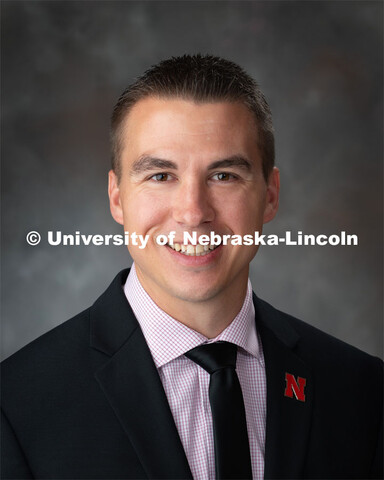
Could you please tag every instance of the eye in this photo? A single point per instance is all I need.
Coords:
(224, 176)
(161, 177)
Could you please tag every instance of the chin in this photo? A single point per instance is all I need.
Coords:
(196, 293)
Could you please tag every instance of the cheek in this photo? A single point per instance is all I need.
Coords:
(143, 211)
(242, 212)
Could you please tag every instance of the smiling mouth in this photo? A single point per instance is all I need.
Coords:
(193, 250)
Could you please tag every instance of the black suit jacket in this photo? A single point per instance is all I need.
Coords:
(85, 401)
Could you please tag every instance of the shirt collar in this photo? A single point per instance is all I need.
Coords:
(167, 338)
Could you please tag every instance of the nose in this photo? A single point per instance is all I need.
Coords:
(192, 204)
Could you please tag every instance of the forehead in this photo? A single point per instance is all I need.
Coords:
(182, 127)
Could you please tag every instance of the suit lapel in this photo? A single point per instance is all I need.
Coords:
(132, 386)
(288, 418)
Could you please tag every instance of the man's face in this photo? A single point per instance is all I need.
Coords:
(190, 167)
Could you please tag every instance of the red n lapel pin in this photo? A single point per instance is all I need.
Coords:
(294, 387)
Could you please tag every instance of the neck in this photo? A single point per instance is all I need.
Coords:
(208, 317)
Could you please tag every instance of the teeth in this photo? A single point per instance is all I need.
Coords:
(199, 249)
(192, 250)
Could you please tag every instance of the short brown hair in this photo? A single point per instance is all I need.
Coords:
(200, 78)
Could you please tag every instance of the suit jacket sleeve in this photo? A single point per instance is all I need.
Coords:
(377, 465)
(13, 462)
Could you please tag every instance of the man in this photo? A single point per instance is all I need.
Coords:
(178, 371)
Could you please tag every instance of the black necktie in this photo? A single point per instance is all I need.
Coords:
(232, 456)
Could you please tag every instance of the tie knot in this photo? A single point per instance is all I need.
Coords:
(214, 356)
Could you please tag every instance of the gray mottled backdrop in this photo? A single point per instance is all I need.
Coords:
(320, 64)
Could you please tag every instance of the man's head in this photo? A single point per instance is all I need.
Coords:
(201, 79)
(193, 164)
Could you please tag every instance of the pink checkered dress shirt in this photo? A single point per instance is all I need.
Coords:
(186, 383)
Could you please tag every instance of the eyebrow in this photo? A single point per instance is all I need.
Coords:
(147, 163)
(233, 161)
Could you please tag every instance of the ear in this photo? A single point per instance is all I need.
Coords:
(272, 198)
(114, 198)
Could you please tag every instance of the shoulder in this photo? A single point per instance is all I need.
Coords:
(52, 374)
(64, 360)
(69, 342)
(328, 356)
(51, 352)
